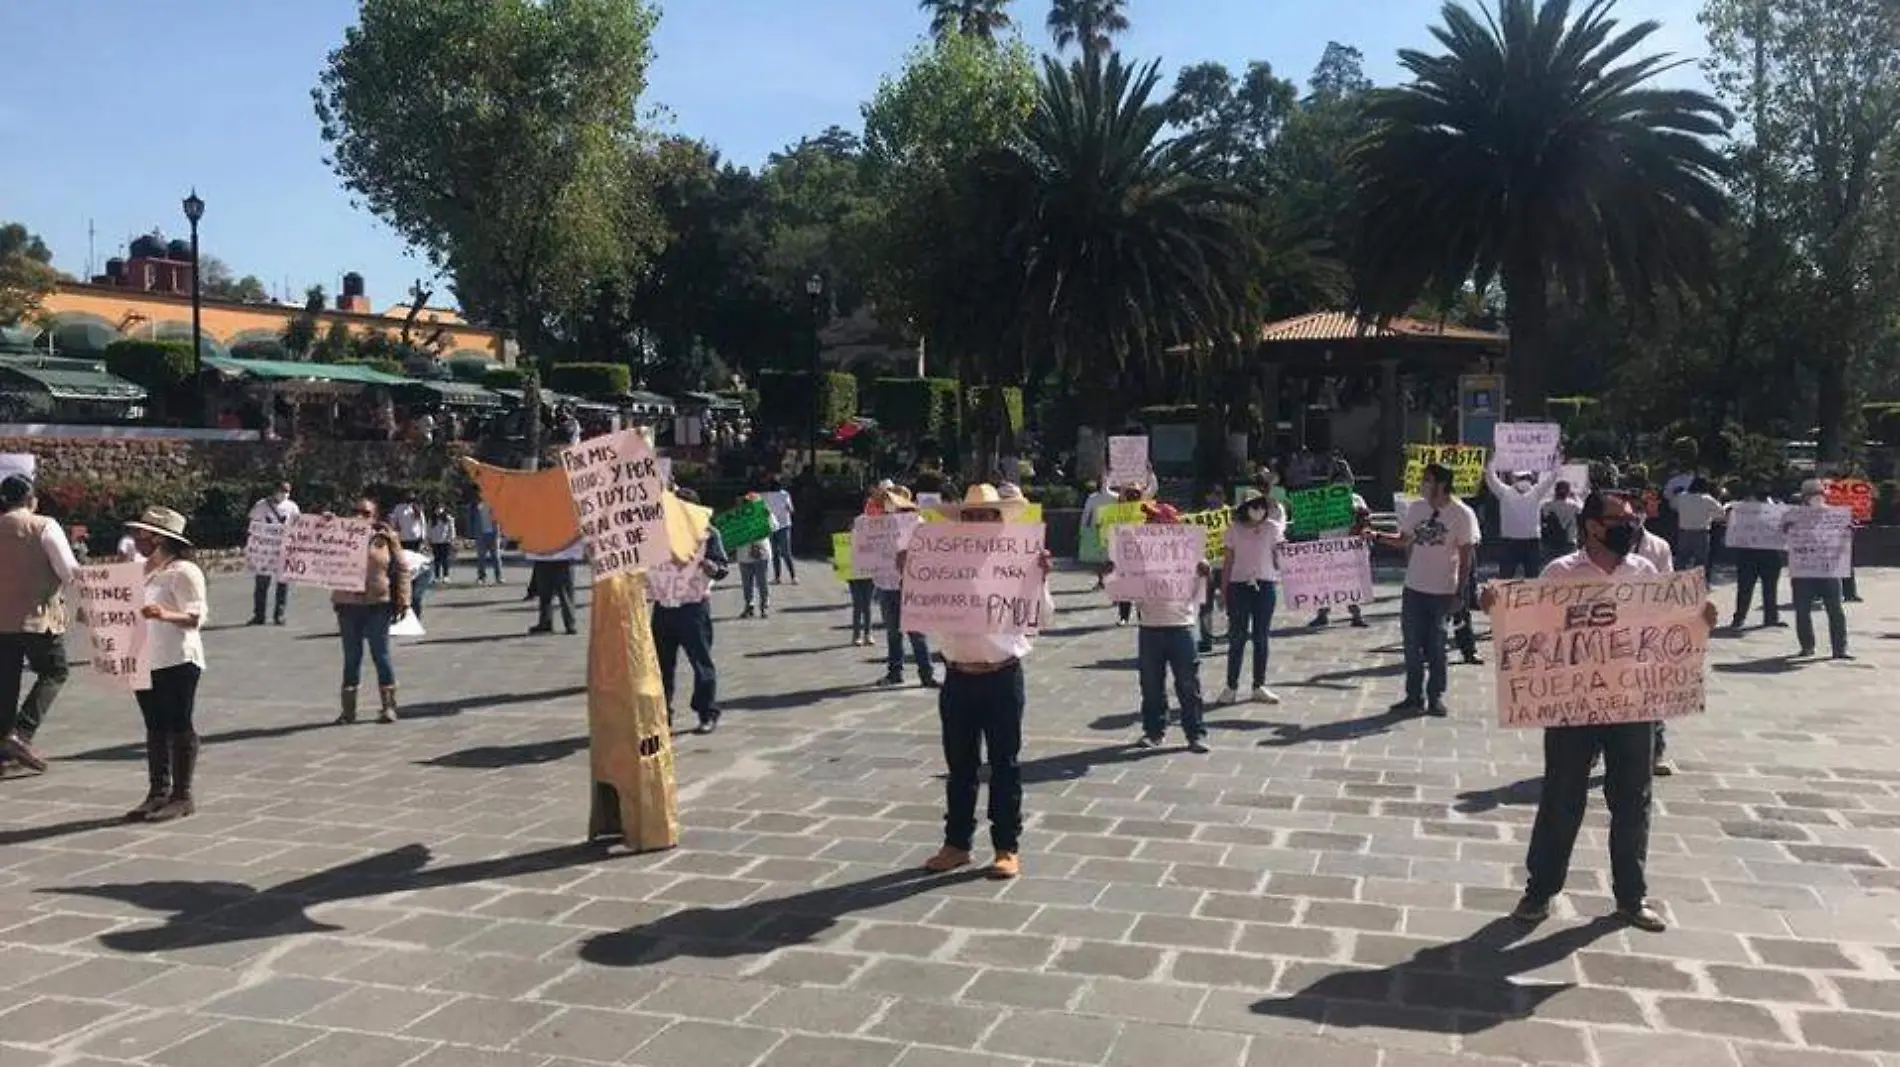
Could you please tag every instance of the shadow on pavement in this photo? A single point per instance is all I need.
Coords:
(761, 926)
(1287, 734)
(495, 757)
(777, 653)
(1128, 664)
(1768, 665)
(790, 699)
(1461, 987)
(30, 834)
(1069, 766)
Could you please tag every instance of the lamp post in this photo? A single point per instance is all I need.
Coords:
(814, 288)
(195, 210)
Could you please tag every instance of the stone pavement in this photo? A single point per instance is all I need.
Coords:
(1324, 889)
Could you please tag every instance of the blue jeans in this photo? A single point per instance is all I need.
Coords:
(260, 593)
(1158, 650)
(420, 583)
(688, 629)
(1422, 631)
(751, 579)
(365, 624)
(1249, 614)
(1523, 557)
(487, 554)
(862, 593)
(782, 550)
(891, 603)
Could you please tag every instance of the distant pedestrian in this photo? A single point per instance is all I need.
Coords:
(1757, 566)
(890, 601)
(422, 578)
(1828, 591)
(864, 590)
(1165, 645)
(1520, 519)
(778, 502)
(1250, 574)
(1361, 516)
(1696, 513)
(277, 509)
(755, 565)
(487, 542)
(410, 523)
(552, 581)
(441, 542)
(175, 613)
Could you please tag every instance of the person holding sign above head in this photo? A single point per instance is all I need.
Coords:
(1627, 748)
(981, 710)
(1441, 535)
(1250, 575)
(363, 618)
(274, 510)
(174, 615)
(1520, 519)
(36, 564)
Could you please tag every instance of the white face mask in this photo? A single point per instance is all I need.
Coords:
(1524, 485)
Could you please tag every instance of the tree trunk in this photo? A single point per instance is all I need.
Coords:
(1831, 403)
(1527, 314)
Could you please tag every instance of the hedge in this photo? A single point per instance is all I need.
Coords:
(974, 397)
(160, 366)
(785, 400)
(917, 408)
(505, 378)
(591, 379)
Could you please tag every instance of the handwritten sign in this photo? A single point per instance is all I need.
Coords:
(841, 557)
(1127, 461)
(111, 596)
(875, 542)
(1330, 573)
(1592, 653)
(327, 551)
(264, 547)
(671, 584)
(1156, 562)
(1854, 494)
(615, 480)
(1820, 542)
(1321, 510)
(1466, 463)
(1527, 446)
(1757, 524)
(1120, 513)
(1215, 522)
(973, 578)
(746, 524)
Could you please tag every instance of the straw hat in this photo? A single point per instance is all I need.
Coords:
(161, 521)
(895, 497)
(1007, 499)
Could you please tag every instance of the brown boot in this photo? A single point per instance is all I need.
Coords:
(349, 706)
(947, 859)
(184, 749)
(158, 768)
(388, 714)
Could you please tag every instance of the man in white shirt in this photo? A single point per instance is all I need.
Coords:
(36, 564)
(276, 509)
(1520, 520)
(779, 503)
(981, 710)
(411, 525)
(1441, 535)
(1610, 538)
(1696, 511)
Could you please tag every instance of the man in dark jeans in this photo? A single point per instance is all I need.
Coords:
(687, 627)
(36, 562)
(1757, 566)
(553, 580)
(1828, 591)
(1440, 533)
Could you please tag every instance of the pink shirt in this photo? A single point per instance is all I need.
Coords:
(1251, 550)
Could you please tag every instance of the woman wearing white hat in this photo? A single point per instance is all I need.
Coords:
(174, 614)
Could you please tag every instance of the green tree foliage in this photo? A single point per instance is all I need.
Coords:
(164, 368)
(26, 273)
(505, 378)
(1090, 25)
(590, 379)
(217, 283)
(984, 20)
(496, 138)
(300, 333)
(916, 409)
(1533, 149)
(335, 346)
(785, 400)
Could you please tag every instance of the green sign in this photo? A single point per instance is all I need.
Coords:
(1321, 510)
(745, 524)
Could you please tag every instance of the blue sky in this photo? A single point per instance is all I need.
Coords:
(111, 110)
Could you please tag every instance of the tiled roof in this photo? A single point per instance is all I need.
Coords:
(1345, 326)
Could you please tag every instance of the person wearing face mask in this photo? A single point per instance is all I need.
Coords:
(1441, 534)
(275, 510)
(175, 614)
(1627, 749)
(1520, 520)
(1250, 574)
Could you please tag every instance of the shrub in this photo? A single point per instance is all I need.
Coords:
(918, 408)
(591, 379)
(975, 396)
(785, 400)
(162, 367)
(506, 378)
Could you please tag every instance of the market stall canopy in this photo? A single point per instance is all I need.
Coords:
(551, 399)
(711, 402)
(453, 393)
(280, 371)
(66, 379)
(644, 403)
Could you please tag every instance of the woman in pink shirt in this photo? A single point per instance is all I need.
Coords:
(1250, 573)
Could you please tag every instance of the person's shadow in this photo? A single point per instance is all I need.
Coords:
(1461, 987)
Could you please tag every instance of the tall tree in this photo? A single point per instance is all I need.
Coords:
(1090, 25)
(217, 282)
(984, 20)
(26, 273)
(1819, 81)
(496, 137)
(1533, 149)
(1240, 120)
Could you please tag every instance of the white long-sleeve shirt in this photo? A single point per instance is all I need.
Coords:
(1520, 512)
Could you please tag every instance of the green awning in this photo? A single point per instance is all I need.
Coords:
(282, 371)
(645, 403)
(67, 379)
(455, 394)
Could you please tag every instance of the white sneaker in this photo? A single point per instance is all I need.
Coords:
(1263, 695)
(1227, 696)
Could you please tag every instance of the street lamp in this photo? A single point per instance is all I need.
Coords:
(814, 288)
(195, 210)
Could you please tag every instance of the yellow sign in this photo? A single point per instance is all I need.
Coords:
(1216, 523)
(841, 556)
(1466, 463)
(1120, 513)
(1032, 513)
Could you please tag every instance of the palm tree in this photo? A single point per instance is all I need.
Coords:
(1087, 23)
(981, 19)
(1534, 150)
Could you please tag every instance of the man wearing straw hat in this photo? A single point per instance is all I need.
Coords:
(36, 562)
(981, 708)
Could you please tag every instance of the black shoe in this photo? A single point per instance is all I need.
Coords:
(1148, 741)
(764, 614)
(1531, 909)
(1408, 706)
(1198, 745)
(1775, 624)
(571, 631)
(1843, 655)
(932, 683)
(1205, 650)
(1437, 709)
(1359, 623)
(890, 680)
(708, 724)
(746, 614)
(256, 620)
(1805, 653)
(1472, 659)
(279, 620)
(1643, 916)
(541, 629)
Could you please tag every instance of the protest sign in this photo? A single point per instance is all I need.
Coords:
(973, 578)
(1127, 462)
(21, 463)
(1820, 541)
(1322, 509)
(671, 584)
(1526, 446)
(1215, 522)
(1597, 652)
(841, 556)
(1032, 512)
(111, 596)
(1757, 524)
(746, 524)
(327, 551)
(615, 480)
(875, 542)
(1325, 574)
(1466, 463)
(1854, 494)
(1156, 561)
(264, 547)
(1120, 513)
(1578, 477)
